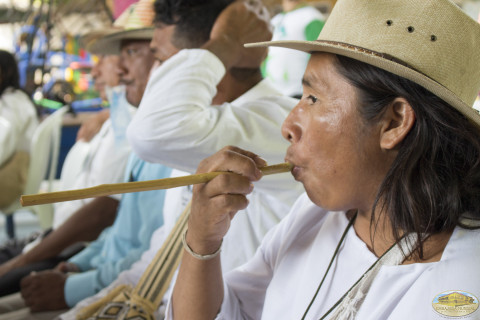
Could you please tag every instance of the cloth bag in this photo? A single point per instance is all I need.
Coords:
(13, 177)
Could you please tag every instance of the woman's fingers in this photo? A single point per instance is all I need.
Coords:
(228, 183)
(215, 203)
(234, 159)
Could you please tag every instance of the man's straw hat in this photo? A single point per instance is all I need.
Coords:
(135, 23)
(430, 42)
(89, 40)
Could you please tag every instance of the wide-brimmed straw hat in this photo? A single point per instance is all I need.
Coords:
(430, 42)
(135, 23)
(88, 40)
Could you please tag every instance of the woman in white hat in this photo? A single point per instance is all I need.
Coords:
(387, 146)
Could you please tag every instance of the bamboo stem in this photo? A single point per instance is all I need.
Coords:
(136, 186)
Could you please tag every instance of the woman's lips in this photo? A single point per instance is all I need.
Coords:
(296, 172)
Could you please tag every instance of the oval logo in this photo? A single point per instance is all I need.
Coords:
(455, 303)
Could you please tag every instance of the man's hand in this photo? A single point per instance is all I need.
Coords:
(66, 267)
(241, 22)
(44, 291)
(91, 126)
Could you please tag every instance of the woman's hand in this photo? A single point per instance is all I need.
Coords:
(214, 204)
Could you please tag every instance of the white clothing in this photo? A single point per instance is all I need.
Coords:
(177, 126)
(285, 67)
(476, 104)
(280, 281)
(105, 163)
(18, 121)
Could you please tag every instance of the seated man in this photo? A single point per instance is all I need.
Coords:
(122, 244)
(104, 163)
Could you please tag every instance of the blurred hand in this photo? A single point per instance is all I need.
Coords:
(241, 22)
(66, 267)
(44, 291)
(91, 126)
(214, 204)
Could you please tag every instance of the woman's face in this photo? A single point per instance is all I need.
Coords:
(336, 156)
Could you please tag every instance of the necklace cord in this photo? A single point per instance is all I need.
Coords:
(350, 223)
(360, 279)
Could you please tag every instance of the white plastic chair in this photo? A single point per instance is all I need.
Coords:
(44, 149)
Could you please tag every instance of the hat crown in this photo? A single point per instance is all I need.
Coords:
(137, 16)
(433, 37)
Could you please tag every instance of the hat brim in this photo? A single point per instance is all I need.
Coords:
(110, 44)
(89, 39)
(381, 61)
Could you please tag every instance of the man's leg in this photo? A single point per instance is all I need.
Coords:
(13, 307)
(11, 303)
(10, 282)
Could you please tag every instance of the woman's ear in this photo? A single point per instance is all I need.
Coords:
(398, 120)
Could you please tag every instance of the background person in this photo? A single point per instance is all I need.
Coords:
(285, 68)
(388, 164)
(119, 246)
(75, 222)
(18, 120)
(181, 119)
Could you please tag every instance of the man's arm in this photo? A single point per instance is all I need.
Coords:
(91, 126)
(84, 225)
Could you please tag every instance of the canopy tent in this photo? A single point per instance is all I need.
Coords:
(44, 35)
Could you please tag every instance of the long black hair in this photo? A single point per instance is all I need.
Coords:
(435, 178)
(9, 76)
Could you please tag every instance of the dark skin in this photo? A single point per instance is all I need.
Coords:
(47, 284)
(37, 286)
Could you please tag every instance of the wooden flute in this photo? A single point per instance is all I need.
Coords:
(135, 186)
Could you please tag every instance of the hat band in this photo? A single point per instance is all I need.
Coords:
(385, 56)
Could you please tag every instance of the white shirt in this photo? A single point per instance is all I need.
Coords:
(280, 281)
(18, 121)
(177, 126)
(104, 163)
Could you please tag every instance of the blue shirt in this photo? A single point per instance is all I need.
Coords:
(118, 247)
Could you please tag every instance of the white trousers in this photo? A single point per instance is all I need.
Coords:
(12, 307)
